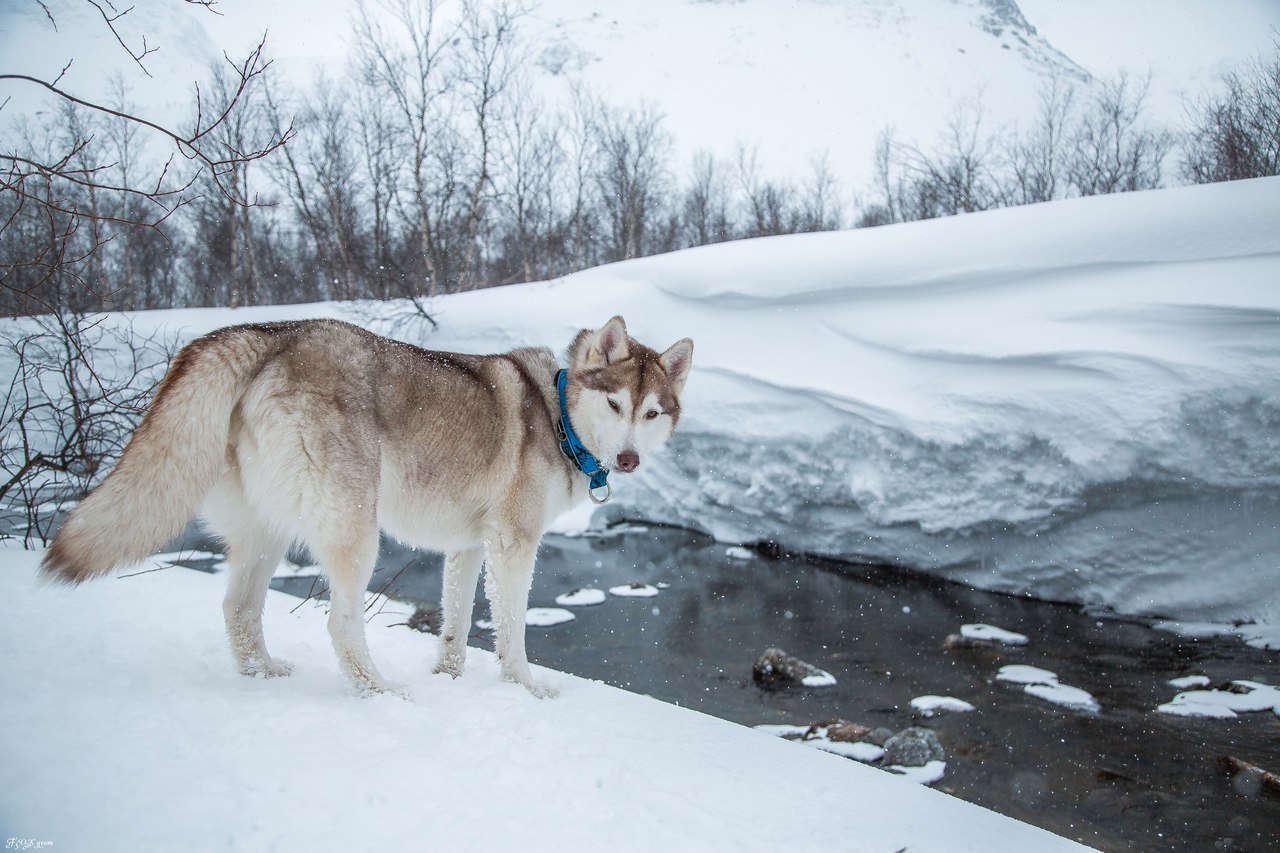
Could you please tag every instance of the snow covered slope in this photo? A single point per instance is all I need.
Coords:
(1077, 400)
(137, 734)
(795, 79)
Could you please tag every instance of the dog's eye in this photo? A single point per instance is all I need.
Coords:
(651, 414)
(615, 406)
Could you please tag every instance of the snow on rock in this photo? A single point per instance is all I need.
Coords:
(913, 747)
(857, 750)
(774, 666)
(991, 633)
(545, 617)
(1043, 684)
(737, 552)
(1245, 697)
(931, 706)
(828, 739)
(1021, 673)
(581, 597)
(1064, 695)
(634, 590)
(1190, 681)
(926, 774)
(127, 727)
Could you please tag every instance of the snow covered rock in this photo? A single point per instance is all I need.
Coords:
(545, 617)
(1019, 673)
(1044, 684)
(932, 706)
(926, 774)
(1239, 697)
(580, 597)
(913, 747)
(1064, 695)
(775, 666)
(634, 590)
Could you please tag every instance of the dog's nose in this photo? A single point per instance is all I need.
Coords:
(628, 461)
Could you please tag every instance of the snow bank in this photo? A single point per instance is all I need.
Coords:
(127, 728)
(1077, 400)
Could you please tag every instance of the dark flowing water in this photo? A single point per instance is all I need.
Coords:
(1123, 778)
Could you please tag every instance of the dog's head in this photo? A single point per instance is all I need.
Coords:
(623, 397)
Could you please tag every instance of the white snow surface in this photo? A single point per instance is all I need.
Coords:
(127, 728)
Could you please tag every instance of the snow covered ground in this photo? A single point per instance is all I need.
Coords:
(131, 731)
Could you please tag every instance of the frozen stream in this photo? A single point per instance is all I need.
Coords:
(1126, 777)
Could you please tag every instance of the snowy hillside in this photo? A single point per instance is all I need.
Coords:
(795, 80)
(1078, 400)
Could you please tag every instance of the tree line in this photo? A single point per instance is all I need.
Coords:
(430, 167)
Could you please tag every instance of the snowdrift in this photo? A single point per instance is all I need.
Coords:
(1079, 400)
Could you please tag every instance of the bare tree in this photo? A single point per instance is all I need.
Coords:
(78, 390)
(320, 174)
(66, 187)
(1113, 150)
(1037, 161)
(415, 81)
(632, 175)
(961, 176)
(1235, 132)
(706, 203)
(486, 73)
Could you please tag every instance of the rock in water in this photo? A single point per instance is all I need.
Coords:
(777, 667)
(913, 747)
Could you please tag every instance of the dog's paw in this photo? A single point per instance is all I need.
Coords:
(269, 668)
(450, 665)
(542, 691)
(381, 687)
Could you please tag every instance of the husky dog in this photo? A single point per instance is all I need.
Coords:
(322, 432)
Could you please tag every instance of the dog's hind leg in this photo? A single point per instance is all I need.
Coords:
(347, 556)
(253, 555)
(461, 571)
(253, 559)
(507, 582)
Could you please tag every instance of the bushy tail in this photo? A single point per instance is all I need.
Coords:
(172, 461)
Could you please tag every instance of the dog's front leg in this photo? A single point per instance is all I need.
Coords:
(508, 576)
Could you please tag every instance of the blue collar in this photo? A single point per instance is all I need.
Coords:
(575, 451)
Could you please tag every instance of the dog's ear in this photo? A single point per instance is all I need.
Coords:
(608, 345)
(676, 362)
